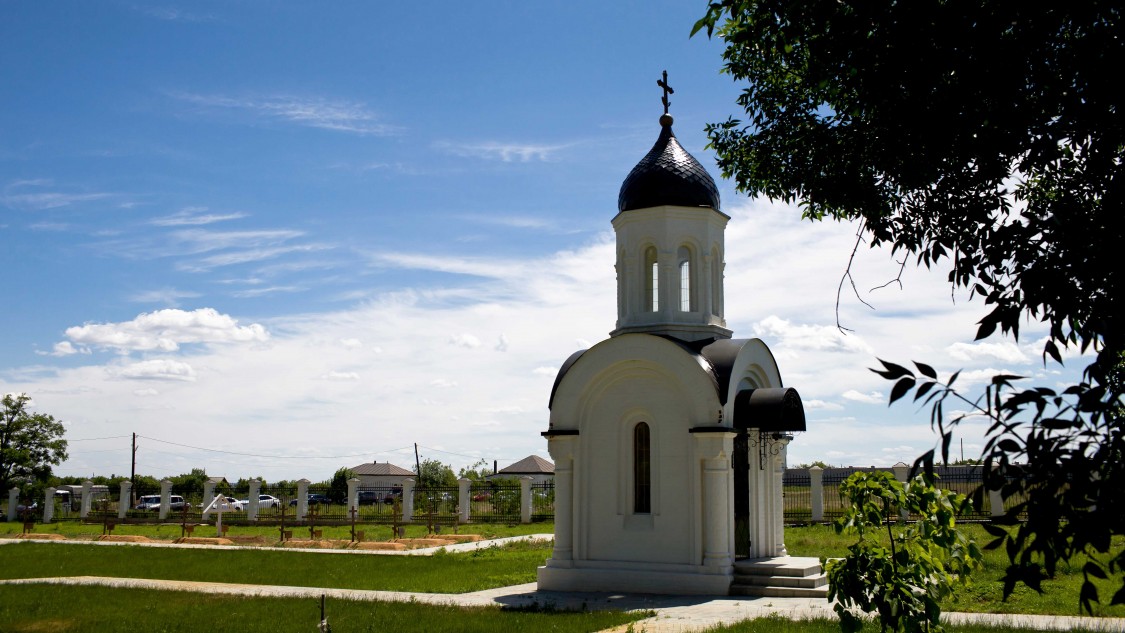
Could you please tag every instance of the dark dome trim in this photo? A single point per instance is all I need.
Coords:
(770, 410)
(562, 374)
(668, 175)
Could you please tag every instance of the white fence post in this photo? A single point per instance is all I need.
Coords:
(816, 493)
(255, 490)
(353, 495)
(125, 500)
(303, 499)
(525, 499)
(463, 498)
(208, 497)
(996, 501)
(49, 506)
(87, 498)
(13, 501)
(902, 471)
(407, 500)
(165, 498)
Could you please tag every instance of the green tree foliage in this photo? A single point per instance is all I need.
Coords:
(476, 472)
(338, 486)
(190, 485)
(901, 571)
(985, 138)
(435, 474)
(30, 443)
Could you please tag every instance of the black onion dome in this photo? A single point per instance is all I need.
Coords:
(668, 175)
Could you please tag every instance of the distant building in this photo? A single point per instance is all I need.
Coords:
(534, 466)
(376, 474)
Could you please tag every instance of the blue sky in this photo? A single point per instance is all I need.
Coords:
(316, 234)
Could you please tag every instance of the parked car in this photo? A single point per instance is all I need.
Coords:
(151, 503)
(235, 504)
(314, 500)
(368, 497)
(268, 501)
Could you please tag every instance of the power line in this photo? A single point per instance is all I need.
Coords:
(215, 450)
(438, 450)
(93, 439)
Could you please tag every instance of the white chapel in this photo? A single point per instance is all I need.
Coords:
(668, 437)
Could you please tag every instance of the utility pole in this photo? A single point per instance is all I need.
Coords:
(133, 475)
(417, 463)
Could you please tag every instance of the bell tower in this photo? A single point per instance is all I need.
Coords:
(670, 244)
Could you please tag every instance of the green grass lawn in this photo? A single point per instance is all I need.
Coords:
(457, 573)
(986, 593)
(35, 609)
(500, 566)
(269, 534)
(777, 624)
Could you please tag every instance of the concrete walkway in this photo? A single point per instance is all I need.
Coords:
(674, 614)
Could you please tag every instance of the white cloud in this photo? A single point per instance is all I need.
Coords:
(341, 376)
(64, 348)
(821, 405)
(351, 343)
(166, 330)
(467, 341)
(144, 393)
(809, 337)
(873, 397)
(1005, 351)
(974, 377)
(545, 371)
(501, 343)
(157, 369)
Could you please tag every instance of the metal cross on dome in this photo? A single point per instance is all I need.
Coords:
(663, 83)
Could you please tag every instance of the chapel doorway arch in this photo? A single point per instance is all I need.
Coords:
(763, 419)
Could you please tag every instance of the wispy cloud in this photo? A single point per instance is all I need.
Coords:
(28, 195)
(261, 292)
(195, 216)
(172, 14)
(246, 256)
(506, 152)
(481, 267)
(167, 296)
(317, 112)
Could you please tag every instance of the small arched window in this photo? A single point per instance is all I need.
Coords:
(642, 470)
(684, 259)
(652, 280)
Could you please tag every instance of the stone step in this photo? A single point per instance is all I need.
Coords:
(780, 577)
(779, 566)
(778, 592)
(807, 582)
